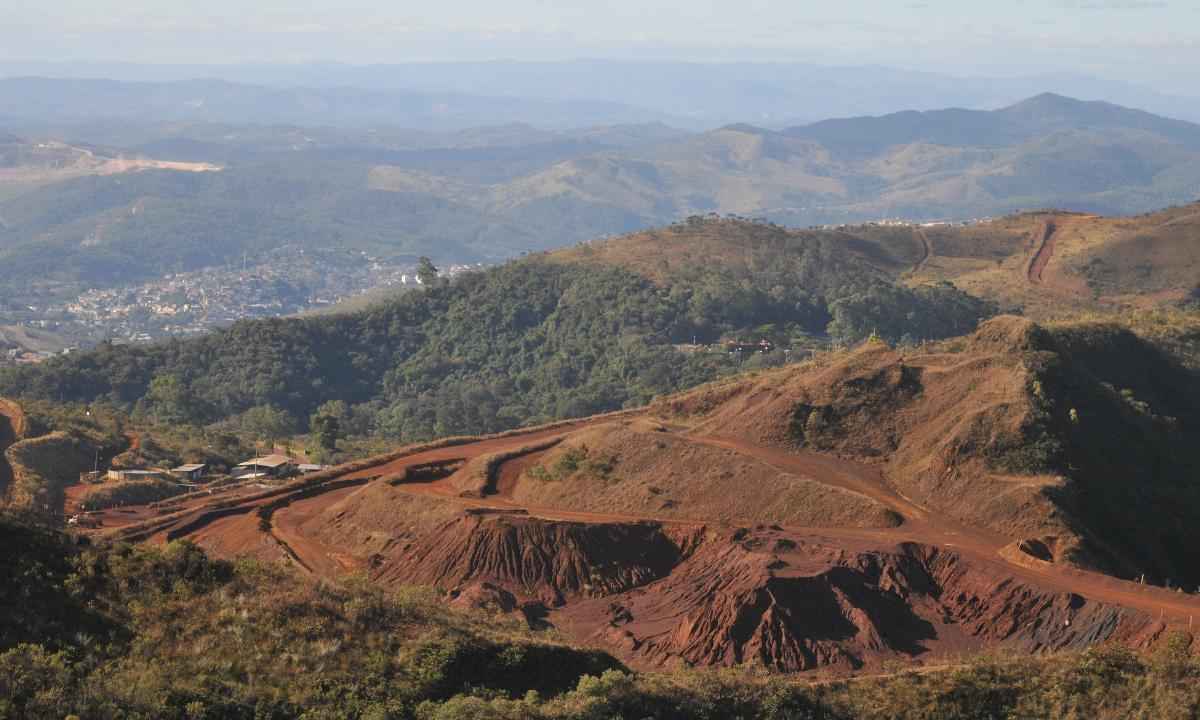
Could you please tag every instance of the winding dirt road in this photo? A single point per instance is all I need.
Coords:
(927, 252)
(1043, 253)
(279, 518)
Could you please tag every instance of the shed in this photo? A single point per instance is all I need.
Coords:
(272, 465)
(191, 472)
(120, 475)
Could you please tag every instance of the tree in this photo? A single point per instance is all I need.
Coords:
(264, 422)
(327, 428)
(427, 272)
(169, 400)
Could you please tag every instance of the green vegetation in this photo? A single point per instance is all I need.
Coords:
(370, 192)
(132, 492)
(574, 460)
(42, 467)
(63, 440)
(524, 343)
(1117, 419)
(131, 633)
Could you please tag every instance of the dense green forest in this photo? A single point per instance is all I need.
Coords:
(526, 342)
(170, 634)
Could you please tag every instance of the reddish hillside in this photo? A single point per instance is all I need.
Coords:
(1010, 430)
(874, 505)
(1046, 263)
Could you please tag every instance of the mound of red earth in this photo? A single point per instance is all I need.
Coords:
(665, 594)
(1081, 439)
(876, 505)
(789, 602)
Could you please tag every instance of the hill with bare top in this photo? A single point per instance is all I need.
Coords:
(1007, 488)
(1046, 264)
(1076, 442)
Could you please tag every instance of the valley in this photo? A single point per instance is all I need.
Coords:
(615, 360)
(170, 196)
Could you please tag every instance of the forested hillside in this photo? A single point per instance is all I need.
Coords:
(527, 342)
(495, 193)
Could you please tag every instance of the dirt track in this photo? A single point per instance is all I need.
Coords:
(926, 252)
(1043, 253)
(239, 527)
(920, 526)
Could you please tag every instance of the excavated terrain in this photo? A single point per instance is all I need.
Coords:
(871, 507)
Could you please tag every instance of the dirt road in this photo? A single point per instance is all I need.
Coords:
(926, 252)
(238, 525)
(1043, 253)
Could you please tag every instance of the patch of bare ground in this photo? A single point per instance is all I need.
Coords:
(1043, 251)
(755, 521)
(797, 602)
(632, 468)
(927, 421)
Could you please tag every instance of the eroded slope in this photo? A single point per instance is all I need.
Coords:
(1081, 437)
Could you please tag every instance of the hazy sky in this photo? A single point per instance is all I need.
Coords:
(1151, 41)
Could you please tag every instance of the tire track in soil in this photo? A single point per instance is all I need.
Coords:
(1045, 251)
(926, 249)
(287, 518)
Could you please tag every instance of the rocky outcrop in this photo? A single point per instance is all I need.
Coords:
(533, 558)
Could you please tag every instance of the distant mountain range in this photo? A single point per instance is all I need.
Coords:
(206, 100)
(489, 194)
(699, 96)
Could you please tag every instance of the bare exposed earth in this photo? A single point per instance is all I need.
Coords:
(1046, 263)
(48, 162)
(706, 531)
(1044, 239)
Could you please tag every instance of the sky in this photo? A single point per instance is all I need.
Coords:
(1153, 42)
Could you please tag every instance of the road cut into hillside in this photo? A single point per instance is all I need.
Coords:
(665, 589)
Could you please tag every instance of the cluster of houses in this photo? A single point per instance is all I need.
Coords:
(259, 468)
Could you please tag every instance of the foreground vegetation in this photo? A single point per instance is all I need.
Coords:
(125, 632)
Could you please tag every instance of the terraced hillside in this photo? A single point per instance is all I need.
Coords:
(870, 506)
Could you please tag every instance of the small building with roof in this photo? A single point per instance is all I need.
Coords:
(266, 466)
(124, 475)
(192, 472)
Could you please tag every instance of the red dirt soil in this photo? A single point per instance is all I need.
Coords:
(661, 591)
(1045, 250)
